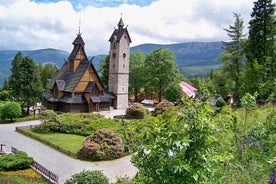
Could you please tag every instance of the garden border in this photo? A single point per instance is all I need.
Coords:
(56, 147)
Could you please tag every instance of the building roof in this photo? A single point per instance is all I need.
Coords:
(118, 33)
(187, 89)
(78, 45)
(70, 79)
(102, 98)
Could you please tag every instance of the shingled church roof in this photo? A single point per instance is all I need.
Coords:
(70, 79)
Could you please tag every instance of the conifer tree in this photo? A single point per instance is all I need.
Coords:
(261, 47)
(26, 87)
(233, 55)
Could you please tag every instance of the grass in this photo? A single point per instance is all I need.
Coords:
(69, 142)
(26, 176)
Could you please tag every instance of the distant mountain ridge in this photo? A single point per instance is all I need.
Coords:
(192, 58)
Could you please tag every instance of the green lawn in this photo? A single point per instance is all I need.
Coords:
(69, 142)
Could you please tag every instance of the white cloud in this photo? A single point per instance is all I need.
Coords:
(25, 24)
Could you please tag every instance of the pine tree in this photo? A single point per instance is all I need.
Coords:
(260, 50)
(232, 57)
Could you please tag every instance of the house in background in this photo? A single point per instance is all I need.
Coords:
(188, 90)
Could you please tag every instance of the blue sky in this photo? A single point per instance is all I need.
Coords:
(103, 3)
(37, 24)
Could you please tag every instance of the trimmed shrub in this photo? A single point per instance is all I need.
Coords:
(11, 110)
(162, 107)
(136, 111)
(14, 162)
(48, 116)
(91, 177)
(102, 145)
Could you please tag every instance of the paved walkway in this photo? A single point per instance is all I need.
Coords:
(59, 163)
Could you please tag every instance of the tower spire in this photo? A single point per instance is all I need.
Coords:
(121, 23)
(79, 27)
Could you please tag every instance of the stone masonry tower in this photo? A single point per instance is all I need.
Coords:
(119, 55)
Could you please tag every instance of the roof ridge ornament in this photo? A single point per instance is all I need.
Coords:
(79, 27)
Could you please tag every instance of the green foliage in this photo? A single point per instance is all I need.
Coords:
(137, 73)
(104, 68)
(91, 177)
(179, 148)
(14, 162)
(136, 111)
(5, 95)
(46, 71)
(25, 81)
(48, 116)
(161, 70)
(248, 102)
(261, 46)
(233, 55)
(173, 92)
(11, 110)
(220, 103)
(102, 145)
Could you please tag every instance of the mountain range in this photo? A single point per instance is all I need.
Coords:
(192, 58)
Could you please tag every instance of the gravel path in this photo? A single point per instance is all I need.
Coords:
(59, 163)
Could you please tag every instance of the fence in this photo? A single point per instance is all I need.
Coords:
(60, 149)
(49, 175)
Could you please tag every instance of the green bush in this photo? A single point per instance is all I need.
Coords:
(48, 116)
(14, 162)
(102, 145)
(136, 111)
(91, 177)
(11, 110)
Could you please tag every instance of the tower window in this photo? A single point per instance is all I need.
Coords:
(113, 65)
(124, 55)
(114, 54)
(123, 65)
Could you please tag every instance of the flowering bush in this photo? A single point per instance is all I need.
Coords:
(102, 145)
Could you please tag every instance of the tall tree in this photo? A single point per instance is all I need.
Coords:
(233, 55)
(104, 67)
(136, 73)
(25, 83)
(261, 45)
(46, 72)
(161, 70)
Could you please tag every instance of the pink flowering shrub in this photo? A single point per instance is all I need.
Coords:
(102, 145)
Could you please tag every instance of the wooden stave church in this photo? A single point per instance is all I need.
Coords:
(76, 86)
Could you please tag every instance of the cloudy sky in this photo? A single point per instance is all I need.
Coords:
(37, 24)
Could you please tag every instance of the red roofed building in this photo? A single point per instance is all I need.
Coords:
(188, 90)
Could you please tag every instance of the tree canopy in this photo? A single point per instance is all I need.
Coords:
(25, 83)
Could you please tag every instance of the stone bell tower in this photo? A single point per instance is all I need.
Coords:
(119, 55)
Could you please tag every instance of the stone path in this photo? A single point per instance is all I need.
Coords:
(59, 163)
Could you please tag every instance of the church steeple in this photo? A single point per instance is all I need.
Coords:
(121, 24)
